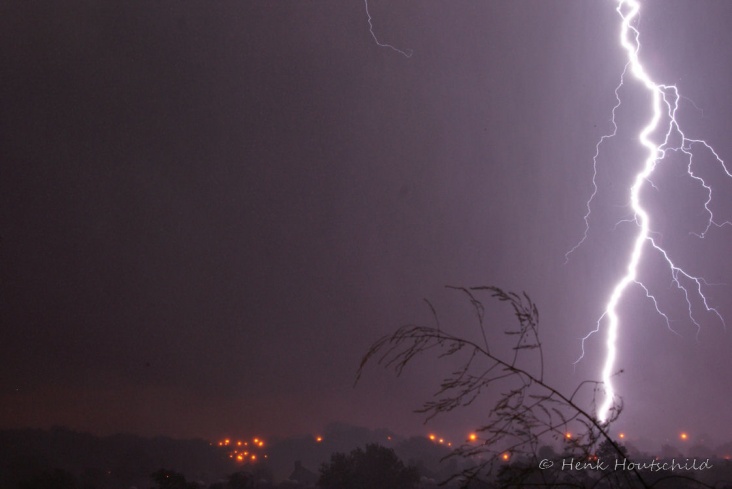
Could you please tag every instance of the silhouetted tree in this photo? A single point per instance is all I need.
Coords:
(240, 480)
(168, 479)
(376, 467)
(528, 411)
(262, 475)
(51, 479)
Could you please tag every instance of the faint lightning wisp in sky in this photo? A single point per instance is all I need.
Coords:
(664, 105)
(406, 53)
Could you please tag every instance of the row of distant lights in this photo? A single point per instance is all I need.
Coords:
(473, 437)
(243, 451)
(683, 436)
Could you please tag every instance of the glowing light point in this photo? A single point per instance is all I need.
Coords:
(472, 437)
(684, 436)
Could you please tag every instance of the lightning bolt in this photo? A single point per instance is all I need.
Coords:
(664, 107)
(406, 53)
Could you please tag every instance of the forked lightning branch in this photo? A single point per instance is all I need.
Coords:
(663, 108)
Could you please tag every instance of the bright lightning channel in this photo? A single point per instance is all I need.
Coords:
(407, 53)
(665, 99)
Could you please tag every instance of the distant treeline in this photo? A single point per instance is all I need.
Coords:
(124, 460)
(101, 462)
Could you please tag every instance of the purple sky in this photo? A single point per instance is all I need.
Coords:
(209, 211)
